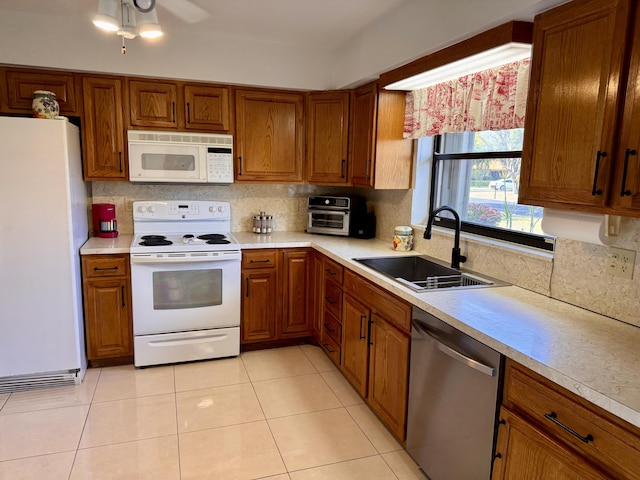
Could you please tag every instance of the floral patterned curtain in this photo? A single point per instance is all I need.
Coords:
(494, 99)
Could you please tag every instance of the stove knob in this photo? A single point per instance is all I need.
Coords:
(142, 209)
(152, 209)
(222, 208)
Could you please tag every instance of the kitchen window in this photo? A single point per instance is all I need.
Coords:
(478, 174)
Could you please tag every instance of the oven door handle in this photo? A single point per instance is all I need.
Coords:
(186, 258)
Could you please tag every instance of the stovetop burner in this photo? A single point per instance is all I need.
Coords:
(211, 236)
(155, 241)
(218, 241)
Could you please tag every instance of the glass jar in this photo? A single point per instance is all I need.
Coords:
(403, 238)
(44, 104)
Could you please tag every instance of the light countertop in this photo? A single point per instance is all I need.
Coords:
(594, 356)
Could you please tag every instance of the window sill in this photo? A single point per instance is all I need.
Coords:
(492, 242)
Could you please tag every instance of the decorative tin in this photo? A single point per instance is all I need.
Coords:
(403, 238)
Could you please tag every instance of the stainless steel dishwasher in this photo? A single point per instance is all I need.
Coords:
(453, 393)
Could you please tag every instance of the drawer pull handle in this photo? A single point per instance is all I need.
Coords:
(554, 418)
(328, 299)
(122, 291)
(328, 348)
(595, 190)
(260, 261)
(328, 328)
(330, 272)
(95, 269)
(362, 319)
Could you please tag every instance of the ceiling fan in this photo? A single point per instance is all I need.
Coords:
(185, 10)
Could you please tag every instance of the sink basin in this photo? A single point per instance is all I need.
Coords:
(421, 273)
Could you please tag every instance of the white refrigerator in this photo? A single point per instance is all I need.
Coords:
(44, 222)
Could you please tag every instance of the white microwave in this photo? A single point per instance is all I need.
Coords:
(178, 157)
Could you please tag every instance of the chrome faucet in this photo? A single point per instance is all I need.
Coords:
(456, 258)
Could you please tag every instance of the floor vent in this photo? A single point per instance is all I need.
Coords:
(21, 383)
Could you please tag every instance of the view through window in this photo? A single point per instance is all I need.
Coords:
(478, 174)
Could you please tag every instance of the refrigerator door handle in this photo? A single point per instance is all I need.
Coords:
(455, 354)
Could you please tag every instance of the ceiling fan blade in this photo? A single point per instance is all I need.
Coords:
(185, 10)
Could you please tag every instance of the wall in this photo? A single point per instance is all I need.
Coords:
(575, 274)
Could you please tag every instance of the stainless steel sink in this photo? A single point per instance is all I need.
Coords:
(421, 273)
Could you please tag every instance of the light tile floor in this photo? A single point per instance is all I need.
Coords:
(281, 414)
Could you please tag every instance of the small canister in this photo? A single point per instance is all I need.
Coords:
(403, 238)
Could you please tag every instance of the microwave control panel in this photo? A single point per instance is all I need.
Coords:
(219, 165)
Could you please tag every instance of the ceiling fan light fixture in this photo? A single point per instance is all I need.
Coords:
(149, 26)
(107, 16)
(128, 28)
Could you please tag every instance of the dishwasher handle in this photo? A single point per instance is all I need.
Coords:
(455, 354)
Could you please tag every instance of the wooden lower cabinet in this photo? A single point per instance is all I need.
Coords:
(547, 432)
(107, 307)
(389, 374)
(525, 453)
(375, 349)
(276, 294)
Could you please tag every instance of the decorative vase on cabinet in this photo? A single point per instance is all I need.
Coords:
(45, 104)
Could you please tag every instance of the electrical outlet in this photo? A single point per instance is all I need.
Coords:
(621, 262)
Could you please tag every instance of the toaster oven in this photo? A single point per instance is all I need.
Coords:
(332, 215)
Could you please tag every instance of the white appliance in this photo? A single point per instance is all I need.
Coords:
(43, 223)
(177, 157)
(185, 275)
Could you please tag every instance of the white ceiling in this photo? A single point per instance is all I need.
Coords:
(308, 44)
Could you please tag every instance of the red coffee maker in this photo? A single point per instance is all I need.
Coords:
(104, 220)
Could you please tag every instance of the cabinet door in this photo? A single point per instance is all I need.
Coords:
(207, 108)
(103, 129)
(153, 104)
(259, 305)
(355, 343)
(525, 453)
(269, 136)
(573, 103)
(318, 293)
(21, 84)
(626, 192)
(327, 118)
(362, 135)
(296, 293)
(389, 374)
(108, 319)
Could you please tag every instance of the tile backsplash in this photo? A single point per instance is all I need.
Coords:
(575, 274)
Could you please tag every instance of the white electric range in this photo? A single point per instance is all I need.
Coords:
(185, 276)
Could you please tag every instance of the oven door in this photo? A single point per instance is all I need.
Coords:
(178, 292)
(331, 222)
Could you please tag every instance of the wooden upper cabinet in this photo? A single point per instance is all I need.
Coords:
(21, 83)
(380, 157)
(206, 108)
(625, 194)
(103, 129)
(153, 104)
(178, 106)
(327, 120)
(579, 57)
(269, 136)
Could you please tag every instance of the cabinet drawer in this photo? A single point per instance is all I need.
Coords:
(99, 266)
(331, 327)
(333, 270)
(333, 299)
(332, 349)
(597, 435)
(388, 306)
(259, 259)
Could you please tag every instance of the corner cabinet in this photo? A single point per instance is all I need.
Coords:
(104, 155)
(107, 308)
(545, 431)
(269, 136)
(380, 157)
(327, 119)
(577, 107)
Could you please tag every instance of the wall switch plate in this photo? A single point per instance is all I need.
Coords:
(621, 262)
